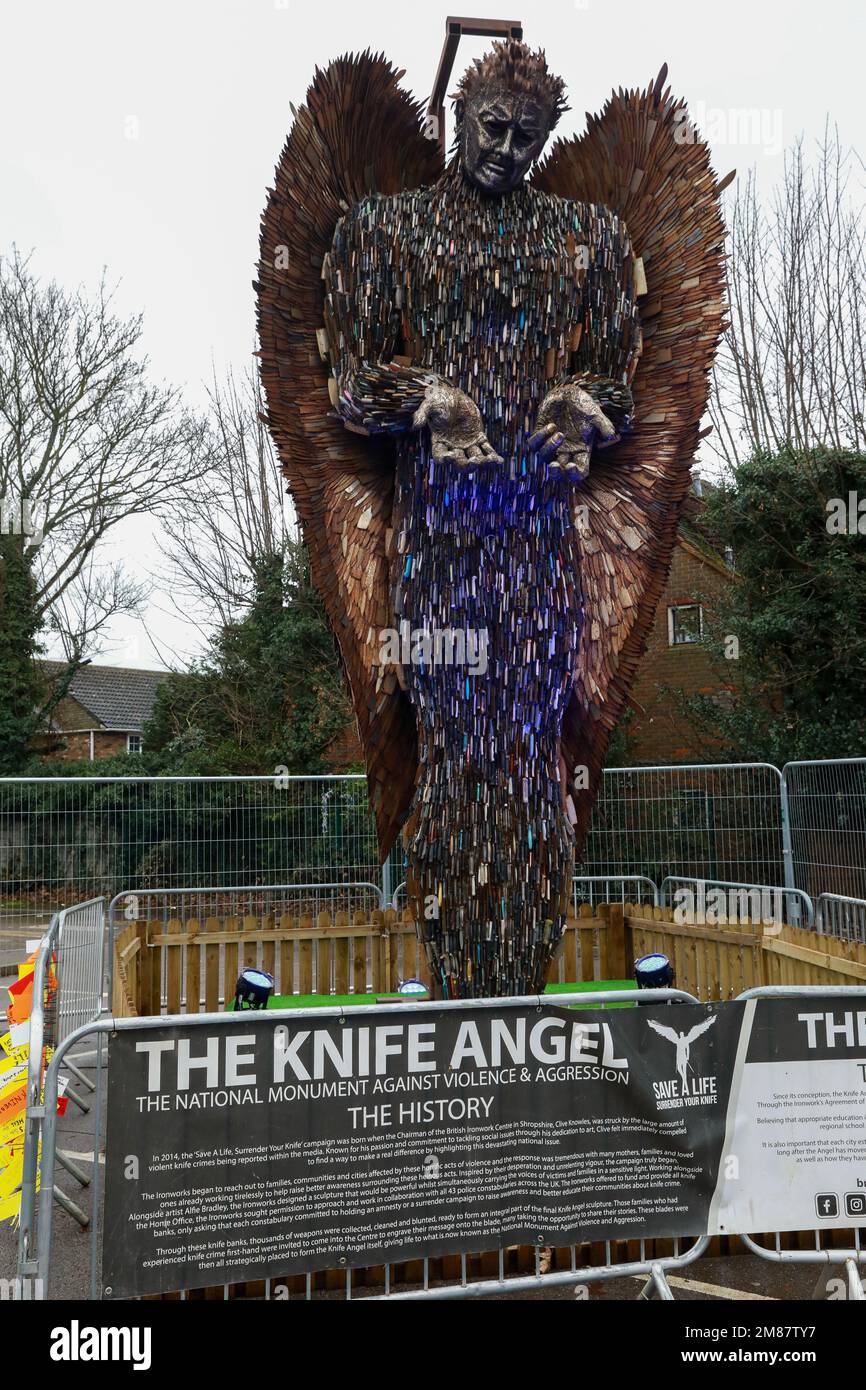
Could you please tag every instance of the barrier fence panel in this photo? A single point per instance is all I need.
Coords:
(80, 968)
(706, 821)
(827, 808)
(696, 898)
(850, 1259)
(465, 1275)
(263, 912)
(65, 838)
(458, 1276)
(68, 987)
(586, 888)
(844, 918)
(608, 888)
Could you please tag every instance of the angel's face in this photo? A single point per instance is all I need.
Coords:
(501, 133)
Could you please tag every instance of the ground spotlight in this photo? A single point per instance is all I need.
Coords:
(253, 989)
(653, 971)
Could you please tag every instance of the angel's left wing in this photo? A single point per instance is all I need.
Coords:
(641, 159)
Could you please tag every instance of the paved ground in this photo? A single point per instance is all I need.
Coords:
(70, 1260)
(742, 1277)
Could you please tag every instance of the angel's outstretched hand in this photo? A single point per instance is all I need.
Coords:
(570, 422)
(455, 424)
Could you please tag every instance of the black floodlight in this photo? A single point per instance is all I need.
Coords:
(653, 971)
(253, 989)
(412, 987)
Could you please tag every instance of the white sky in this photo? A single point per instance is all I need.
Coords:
(204, 88)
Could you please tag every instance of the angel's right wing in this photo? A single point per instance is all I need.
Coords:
(358, 133)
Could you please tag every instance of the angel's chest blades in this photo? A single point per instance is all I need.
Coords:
(495, 292)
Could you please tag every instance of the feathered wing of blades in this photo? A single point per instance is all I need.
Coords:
(358, 132)
(642, 158)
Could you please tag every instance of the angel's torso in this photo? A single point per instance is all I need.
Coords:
(505, 296)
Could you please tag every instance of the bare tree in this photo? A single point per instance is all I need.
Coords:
(236, 516)
(87, 441)
(792, 368)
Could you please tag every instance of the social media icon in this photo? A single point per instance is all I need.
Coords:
(855, 1203)
(827, 1205)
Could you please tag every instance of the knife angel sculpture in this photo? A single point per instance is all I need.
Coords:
(485, 383)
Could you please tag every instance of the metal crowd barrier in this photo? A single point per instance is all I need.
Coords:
(845, 918)
(74, 948)
(855, 1256)
(646, 888)
(236, 900)
(132, 904)
(35, 1261)
(799, 908)
(642, 887)
(35, 1255)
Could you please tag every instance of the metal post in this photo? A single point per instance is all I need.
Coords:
(787, 846)
(455, 28)
(95, 1204)
(856, 1292)
(387, 892)
(35, 1109)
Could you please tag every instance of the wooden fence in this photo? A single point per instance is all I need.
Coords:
(720, 962)
(188, 966)
(156, 965)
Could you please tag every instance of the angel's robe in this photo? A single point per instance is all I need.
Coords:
(503, 297)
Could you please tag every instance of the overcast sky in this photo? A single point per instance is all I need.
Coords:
(142, 136)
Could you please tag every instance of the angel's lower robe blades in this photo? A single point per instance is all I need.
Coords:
(489, 845)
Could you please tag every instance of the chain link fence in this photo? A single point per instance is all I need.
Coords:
(827, 806)
(63, 839)
(708, 821)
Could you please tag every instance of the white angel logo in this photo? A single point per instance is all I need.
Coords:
(682, 1042)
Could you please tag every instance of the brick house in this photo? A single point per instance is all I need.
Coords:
(103, 712)
(675, 657)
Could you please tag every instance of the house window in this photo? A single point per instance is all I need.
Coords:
(133, 743)
(685, 624)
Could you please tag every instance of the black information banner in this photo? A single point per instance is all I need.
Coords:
(285, 1145)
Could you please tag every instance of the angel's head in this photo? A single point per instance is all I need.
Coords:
(506, 105)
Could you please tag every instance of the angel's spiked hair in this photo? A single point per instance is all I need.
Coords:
(511, 63)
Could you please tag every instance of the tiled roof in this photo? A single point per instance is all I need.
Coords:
(118, 697)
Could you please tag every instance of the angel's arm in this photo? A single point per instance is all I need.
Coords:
(364, 326)
(590, 403)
